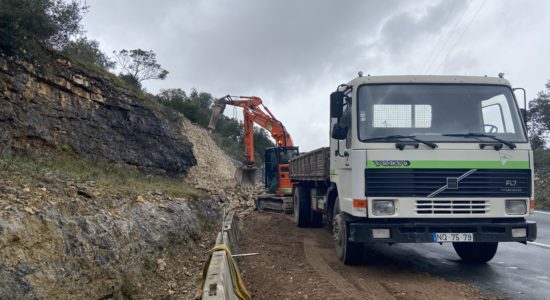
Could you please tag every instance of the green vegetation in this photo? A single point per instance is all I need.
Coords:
(29, 27)
(87, 51)
(539, 127)
(539, 118)
(68, 167)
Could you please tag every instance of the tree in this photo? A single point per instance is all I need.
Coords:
(28, 27)
(539, 117)
(139, 64)
(87, 51)
(192, 108)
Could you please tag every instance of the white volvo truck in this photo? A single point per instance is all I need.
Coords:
(420, 159)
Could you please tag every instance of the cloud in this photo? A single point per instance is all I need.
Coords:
(294, 53)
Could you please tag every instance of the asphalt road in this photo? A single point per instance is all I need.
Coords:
(518, 271)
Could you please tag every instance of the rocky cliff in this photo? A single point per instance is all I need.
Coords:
(70, 108)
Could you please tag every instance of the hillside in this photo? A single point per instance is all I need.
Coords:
(67, 107)
(103, 192)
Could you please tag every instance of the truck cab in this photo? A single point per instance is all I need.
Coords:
(276, 178)
(424, 159)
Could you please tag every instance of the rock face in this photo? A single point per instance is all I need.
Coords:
(72, 109)
(56, 243)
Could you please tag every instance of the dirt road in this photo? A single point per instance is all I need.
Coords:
(296, 263)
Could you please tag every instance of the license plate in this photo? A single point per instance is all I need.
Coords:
(446, 237)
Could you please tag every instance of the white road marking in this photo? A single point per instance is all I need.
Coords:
(542, 212)
(539, 244)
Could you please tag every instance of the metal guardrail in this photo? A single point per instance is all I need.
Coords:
(218, 283)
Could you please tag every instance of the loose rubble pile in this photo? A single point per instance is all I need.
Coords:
(215, 172)
(214, 169)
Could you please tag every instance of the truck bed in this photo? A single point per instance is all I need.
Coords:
(311, 166)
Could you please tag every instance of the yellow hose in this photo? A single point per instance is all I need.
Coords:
(238, 284)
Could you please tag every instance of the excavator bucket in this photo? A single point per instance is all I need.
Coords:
(246, 176)
(217, 110)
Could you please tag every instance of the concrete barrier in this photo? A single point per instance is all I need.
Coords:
(218, 284)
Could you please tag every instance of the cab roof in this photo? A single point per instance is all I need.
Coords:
(429, 79)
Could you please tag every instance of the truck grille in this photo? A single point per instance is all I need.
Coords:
(450, 207)
(406, 182)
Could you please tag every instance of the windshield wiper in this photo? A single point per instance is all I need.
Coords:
(473, 134)
(398, 137)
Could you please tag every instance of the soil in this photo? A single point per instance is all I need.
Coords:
(298, 263)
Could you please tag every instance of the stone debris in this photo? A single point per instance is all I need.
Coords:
(214, 169)
(29, 210)
(215, 172)
(161, 264)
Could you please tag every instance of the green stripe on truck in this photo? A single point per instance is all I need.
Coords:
(447, 164)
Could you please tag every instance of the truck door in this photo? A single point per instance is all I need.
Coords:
(341, 164)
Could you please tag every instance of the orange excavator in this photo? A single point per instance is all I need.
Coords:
(276, 179)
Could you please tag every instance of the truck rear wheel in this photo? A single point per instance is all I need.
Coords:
(302, 206)
(348, 252)
(476, 253)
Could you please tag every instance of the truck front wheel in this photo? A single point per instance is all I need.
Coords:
(302, 206)
(476, 253)
(348, 252)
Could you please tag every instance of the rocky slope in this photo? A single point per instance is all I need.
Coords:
(86, 212)
(215, 171)
(67, 107)
(67, 235)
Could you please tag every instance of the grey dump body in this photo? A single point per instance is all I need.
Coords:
(311, 166)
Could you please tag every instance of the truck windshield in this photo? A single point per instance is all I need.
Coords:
(438, 113)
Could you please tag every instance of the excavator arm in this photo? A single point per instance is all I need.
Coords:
(254, 112)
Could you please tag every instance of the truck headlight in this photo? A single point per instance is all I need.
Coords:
(383, 207)
(516, 207)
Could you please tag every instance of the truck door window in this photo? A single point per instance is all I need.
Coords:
(346, 120)
(496, 115)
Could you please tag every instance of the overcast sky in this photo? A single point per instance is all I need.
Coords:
(292, 54)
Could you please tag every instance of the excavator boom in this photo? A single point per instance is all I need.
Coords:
(254, 112)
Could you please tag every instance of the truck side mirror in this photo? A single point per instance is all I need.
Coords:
(523, 113)
(339, 131)
(336, 104)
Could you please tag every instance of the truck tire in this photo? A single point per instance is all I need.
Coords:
(348, 252)
(302, 207)
(476, 253)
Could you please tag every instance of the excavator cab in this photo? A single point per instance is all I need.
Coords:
(276, 178)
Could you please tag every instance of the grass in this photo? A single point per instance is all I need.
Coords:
(103, 174)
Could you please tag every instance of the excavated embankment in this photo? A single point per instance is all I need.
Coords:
(70, 237)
